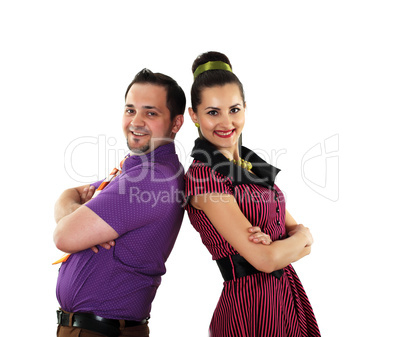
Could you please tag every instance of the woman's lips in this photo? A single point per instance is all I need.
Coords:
(224, 134)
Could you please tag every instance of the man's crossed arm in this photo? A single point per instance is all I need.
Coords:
(78, 227)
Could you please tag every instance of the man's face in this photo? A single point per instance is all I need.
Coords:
(146, 119)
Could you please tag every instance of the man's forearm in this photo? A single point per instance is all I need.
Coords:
(67, 203)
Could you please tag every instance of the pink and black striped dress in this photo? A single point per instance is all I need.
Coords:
(258, 305)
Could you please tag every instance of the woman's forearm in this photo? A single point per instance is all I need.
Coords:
(287, 251)
(226, 216)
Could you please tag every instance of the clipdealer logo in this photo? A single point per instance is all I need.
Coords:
(322, 161)
(319, 165)
(106, 151)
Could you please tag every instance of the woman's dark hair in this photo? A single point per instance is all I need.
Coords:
(211, 78)
(175, 97)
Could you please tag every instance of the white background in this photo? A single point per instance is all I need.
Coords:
(312, 71)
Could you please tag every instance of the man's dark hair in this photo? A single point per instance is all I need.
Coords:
(175, 98)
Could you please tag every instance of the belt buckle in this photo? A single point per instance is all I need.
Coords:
(59, 317)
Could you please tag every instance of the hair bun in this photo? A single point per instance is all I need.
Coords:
(209, 56)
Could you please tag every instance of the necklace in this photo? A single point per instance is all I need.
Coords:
(242, 163)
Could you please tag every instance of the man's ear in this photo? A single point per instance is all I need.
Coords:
(177, 123)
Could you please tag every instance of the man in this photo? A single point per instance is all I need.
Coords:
(136, 217)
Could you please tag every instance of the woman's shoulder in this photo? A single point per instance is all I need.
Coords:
(201, 178)
(201, 169)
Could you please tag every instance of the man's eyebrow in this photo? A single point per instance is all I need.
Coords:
(150, 107)
(143, 107)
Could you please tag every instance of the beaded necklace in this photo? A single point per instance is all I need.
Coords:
(243, 163)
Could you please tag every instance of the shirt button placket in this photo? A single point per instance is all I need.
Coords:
(278, 221)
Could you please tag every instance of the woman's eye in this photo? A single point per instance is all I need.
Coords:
(234, 110)
(212, 112)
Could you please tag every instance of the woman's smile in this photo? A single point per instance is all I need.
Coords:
(224, 134)
(221, 117)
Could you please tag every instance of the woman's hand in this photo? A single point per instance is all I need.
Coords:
(258, 237)
(300, 229)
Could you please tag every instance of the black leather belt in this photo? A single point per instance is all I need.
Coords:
(104, 326)
(240, 267)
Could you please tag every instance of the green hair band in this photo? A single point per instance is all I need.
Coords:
(211, 65)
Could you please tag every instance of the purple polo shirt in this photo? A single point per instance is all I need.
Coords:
(143, 205)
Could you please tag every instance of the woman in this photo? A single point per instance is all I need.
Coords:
(229, 190)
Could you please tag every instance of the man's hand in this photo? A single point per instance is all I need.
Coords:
(87, 194)
(106, 245)
(259, 237)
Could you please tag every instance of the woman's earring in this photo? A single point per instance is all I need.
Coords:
(197, 125)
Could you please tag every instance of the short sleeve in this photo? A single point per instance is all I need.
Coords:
(201, 179)
(127, 203)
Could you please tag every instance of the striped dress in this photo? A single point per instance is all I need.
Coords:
(260, 304)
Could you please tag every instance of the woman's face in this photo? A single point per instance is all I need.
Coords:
(221, 116)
